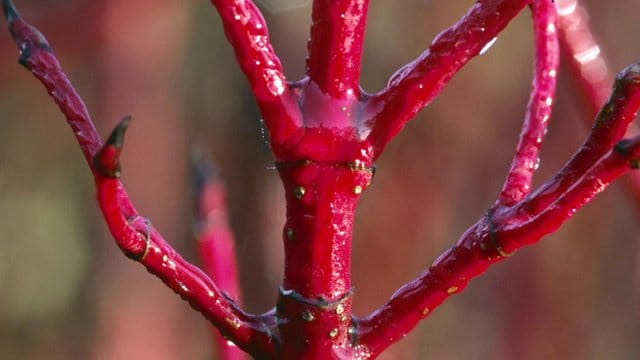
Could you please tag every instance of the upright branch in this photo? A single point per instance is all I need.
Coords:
(335, 46)
(247, 33)
(543, 88)
(414, 86)
(132, 232)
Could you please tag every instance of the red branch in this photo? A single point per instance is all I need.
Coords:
(133, 233)
(547, 54)
(505, 229)
(216, 244)
(247, 32)
(413, 86)
(335, 46)
(589, 67)
(583, 53)
(325, 142)
(610, 126)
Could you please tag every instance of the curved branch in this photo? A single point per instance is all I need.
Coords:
(543, 89)
(247, 33)
(37, 56)
(601, 159)
(413, 86)
(133, 234)
(137, 238)
(335, 46)
(609, 127)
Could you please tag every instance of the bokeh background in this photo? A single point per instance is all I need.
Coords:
(68, 293)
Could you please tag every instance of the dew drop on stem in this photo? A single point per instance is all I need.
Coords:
(488, 46)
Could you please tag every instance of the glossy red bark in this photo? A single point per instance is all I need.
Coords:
(543, 89)
(325, 135)
(335, 46)
(589, 66)
(416, 84)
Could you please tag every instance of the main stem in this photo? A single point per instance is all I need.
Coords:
(314, 309)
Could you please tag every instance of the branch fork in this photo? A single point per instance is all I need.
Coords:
(326, 134)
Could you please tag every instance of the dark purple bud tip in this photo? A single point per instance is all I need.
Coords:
(630, 75)
(117, 135)
(203, 169)
(10, 11)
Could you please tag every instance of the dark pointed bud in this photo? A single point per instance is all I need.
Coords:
(203, 170)
(10, 11)
(117, 135)
(27, 37)
(630, 74)
(623, 147)
(107, 161)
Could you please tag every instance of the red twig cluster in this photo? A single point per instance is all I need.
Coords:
(326, 133)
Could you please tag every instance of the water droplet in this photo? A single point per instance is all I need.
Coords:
(488, 46)
(275, 82)
(308, 316)
(551, 28)
(299, 192)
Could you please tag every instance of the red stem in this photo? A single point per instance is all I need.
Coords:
(133, 234)
(583, 53)
(505, 229)
(543, 89)
(314, 309)
(335, 46)
(216, 246)
(36, 55)
(589, 67)
(323, 183)
(609, 127)
(141, 242)
(414, 86)
(247, 32)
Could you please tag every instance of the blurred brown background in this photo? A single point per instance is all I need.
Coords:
(68, 293)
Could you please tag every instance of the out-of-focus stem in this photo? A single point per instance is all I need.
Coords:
(583, 53)
(216, 245)
(589, 67)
